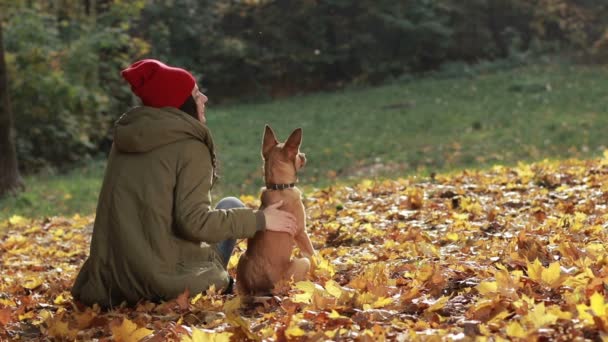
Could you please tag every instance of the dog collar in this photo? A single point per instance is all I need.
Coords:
(280, 186)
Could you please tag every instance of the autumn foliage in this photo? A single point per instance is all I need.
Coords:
(517, 253)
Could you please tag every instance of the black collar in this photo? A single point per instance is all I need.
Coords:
(280, 186)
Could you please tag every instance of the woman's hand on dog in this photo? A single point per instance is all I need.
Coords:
(279, 220)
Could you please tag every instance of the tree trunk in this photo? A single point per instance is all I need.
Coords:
(10, 181)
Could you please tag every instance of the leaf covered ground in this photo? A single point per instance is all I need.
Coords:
(513, 253)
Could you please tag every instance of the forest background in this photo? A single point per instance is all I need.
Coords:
(63, 60)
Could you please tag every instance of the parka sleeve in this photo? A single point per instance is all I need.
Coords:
(195, 219)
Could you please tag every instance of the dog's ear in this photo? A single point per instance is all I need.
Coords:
(292, 145)
(269, 141)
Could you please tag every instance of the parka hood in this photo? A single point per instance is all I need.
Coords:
(143, 129)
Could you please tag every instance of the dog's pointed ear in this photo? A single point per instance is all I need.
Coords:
(292, 145)
(269, 141)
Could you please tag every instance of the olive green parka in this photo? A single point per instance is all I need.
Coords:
(155, 232)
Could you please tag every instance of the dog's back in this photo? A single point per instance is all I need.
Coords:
(268, 255)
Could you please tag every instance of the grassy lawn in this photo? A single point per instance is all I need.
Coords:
(416, 126)
(50, 195)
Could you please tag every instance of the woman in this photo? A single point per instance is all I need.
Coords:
(155, 232)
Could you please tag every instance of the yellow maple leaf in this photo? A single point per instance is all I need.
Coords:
(267, 333)
(294, 331)
(535, 270)
(524, 171)
(32, 282)
(552, 276)
(232, 305)
(335, 315)
(308, 289)
(524, 302)
(16, 220)
(452, 237)
(556, 311)
(470, 205)
(331, 333)
(196, 298)
(487, 287)
(598, 307)
(199, 335)
(595, 249)
(7, 302)
(60, 299)
(365, 299)
(233, 317)
(579, 222)
(583, 313)
(15, 241)
(333, 288)
(129, 332)
(580, 279)
(539, 316)
(322, 266)
(382, 302)
(43, 316)
(27, 315)
(514, 329)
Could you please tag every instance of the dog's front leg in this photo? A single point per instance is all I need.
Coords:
(305, 245)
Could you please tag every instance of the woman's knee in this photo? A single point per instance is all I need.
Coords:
(229, 203)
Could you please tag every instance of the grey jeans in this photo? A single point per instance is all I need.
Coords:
(227, 246)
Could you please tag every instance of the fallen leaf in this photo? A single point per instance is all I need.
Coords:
(61, 329)
(32, 282)
(199, 335)
(5, 316)
(183, 299)
(487, 287)
(551, 275)
(514, 329)
(128, 331)
(598, 307)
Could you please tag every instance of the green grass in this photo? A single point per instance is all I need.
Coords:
(50, 194)
(415, 126)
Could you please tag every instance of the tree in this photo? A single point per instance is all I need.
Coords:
(10, 180)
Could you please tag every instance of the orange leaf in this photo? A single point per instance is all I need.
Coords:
(5, 316)
(183, 299)
(60, 329)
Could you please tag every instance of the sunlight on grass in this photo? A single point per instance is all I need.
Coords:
(418, 126)
(424, 125)
(49, 195)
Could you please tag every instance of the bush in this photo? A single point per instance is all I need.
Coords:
(60, 94)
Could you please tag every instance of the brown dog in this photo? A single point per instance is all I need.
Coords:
(268, 256)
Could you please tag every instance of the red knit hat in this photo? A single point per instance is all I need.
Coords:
(159, 85)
